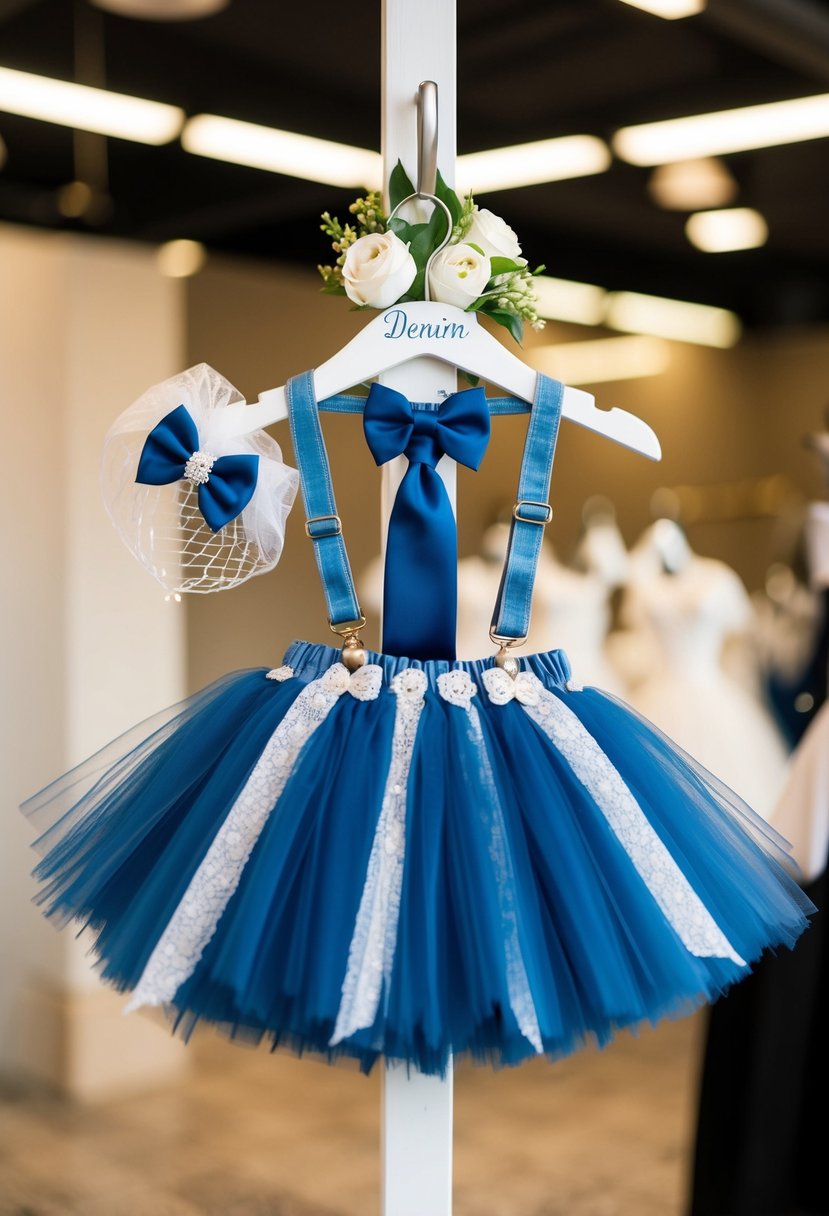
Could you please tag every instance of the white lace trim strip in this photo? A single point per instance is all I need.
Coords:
(518, 984)
(194, 921)
(679, 903)
(373, 943)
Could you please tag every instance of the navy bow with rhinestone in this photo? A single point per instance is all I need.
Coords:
(171, 453)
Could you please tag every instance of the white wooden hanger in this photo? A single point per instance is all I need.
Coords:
(440, 331)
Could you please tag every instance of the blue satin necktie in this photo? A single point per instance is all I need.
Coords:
(420, 597)
(171, 453)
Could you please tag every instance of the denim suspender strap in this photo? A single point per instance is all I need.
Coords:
(531, 512)
(323, 525)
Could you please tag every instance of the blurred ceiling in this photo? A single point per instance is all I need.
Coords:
(528, 69)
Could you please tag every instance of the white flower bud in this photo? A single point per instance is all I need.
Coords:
(378, 270)
(494, 236)
(459, 275)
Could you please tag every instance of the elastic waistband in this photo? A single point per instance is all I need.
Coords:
(310, 659)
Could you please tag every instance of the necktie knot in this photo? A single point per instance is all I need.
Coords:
(424, 442)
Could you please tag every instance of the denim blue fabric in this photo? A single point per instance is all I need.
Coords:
(511, 618)
(230, 484)
(323, 523)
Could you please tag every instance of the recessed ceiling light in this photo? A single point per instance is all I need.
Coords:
(315, 160)
(78, 106)
(669, 9)
(723, 131)
(725, 231)
(677, 319)
(74, 198)
(599, 360)
(545, 160)
(691, 185)
(180, 259)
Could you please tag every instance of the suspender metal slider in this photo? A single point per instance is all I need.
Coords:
(527, 511)
(318, 527)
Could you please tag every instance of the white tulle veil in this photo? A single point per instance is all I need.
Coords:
(162, 525)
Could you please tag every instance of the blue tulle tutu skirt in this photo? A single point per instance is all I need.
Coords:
(414, 861)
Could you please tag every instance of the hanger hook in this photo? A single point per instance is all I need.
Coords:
(427, 138)
(427, 166)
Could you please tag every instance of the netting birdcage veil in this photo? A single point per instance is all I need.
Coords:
(163, 525)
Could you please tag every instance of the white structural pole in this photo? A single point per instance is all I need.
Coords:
(418, 43)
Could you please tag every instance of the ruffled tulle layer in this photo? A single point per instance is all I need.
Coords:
(420, 860)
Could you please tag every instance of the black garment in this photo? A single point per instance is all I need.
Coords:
(783, 694)
(762, 1134)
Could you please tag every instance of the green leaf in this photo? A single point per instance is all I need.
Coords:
(510, 321)
(447, 195)
(504, 266)
(427, 237)
(474, 381)
(400, 186)
(403, 229)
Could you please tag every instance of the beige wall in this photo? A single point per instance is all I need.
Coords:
(721, 415)
(89, 644)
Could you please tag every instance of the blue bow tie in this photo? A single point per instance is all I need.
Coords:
(457, 427)
(420, 584)
(171, 453)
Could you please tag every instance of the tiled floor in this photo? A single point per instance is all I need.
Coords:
(250, 1134)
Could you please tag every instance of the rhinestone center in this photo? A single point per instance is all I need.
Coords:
(197, 469)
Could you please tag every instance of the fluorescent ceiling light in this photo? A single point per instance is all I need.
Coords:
(670, 9)
(764, 126)
(656, 316)
(676, 319)
(725, 231)
(691, 185)
(321, 160)
(86, 109)
(565, 300)
(315, 160)
(163, 10)
(546, 160)
(602, 359)
(180, 259)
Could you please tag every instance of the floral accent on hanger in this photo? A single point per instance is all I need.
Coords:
(382, 261)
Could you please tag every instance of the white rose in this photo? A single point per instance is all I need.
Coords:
(494, 236)
(378, 270)
(458, 275)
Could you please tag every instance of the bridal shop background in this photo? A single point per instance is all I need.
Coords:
(85, 324)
